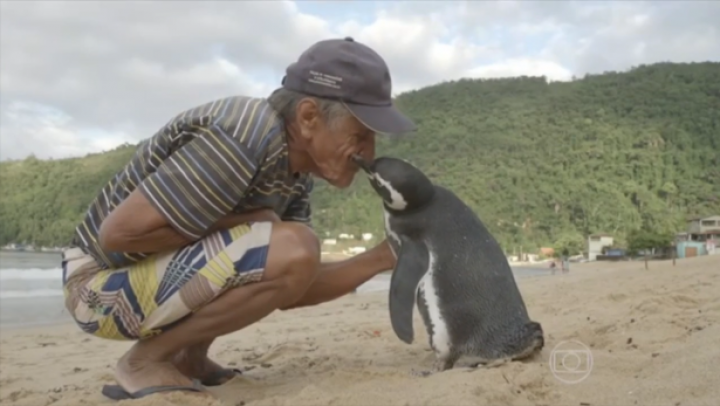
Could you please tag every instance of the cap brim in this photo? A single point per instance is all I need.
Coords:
(385, 119)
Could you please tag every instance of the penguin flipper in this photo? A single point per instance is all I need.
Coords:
(412, 264)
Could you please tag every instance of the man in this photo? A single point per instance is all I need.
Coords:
(565, 262)
(206, 230)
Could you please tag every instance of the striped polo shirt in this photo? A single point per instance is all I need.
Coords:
(229, 155)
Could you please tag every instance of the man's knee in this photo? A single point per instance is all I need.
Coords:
(294, 256)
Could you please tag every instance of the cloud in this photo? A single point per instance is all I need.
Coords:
(77, 77)
(42, 126)
(522, 67)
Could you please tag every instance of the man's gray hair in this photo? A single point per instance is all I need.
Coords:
(285, 102)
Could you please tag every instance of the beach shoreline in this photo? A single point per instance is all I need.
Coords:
(652, 334)
(33, 307)
(31, 291)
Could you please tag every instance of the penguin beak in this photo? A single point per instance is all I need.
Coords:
(359, 161)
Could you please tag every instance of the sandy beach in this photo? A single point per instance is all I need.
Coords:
(653, 338)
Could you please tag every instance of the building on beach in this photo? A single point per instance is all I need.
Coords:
(702, 237)
(596, 243)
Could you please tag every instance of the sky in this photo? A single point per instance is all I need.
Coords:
(87, 76)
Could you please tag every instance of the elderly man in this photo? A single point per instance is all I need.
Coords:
(207, 228)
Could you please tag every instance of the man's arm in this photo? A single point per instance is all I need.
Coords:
(235, 219)
(191, 190)
(339, 278)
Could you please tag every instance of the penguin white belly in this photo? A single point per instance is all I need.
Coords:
(440, 337)
(390, 233)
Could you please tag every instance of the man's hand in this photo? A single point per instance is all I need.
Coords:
(387, 255)
(384, 255)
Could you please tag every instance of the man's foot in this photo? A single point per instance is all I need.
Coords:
(135, 373)
(197, 365)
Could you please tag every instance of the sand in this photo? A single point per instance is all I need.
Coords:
(653, 335)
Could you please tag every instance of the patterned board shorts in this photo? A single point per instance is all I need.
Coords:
(153, 295)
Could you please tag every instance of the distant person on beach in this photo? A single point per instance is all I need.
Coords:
(565, 263)
(207, 229)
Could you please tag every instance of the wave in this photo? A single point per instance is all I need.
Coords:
(7, 275)
(30, 274)
(377, 284)
(19, 294)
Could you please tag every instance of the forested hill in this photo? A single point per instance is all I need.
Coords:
(539, 162)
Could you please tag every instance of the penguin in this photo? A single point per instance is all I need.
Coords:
(450, 265)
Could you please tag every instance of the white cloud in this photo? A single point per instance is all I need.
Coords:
(79, 77)
(522, 67)
(37, 126)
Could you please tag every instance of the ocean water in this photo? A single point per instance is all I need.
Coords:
(31, 288)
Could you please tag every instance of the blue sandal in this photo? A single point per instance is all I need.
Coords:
(116, 392)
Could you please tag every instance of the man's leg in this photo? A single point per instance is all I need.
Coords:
(291, 266)
(195, 363)
(334, 280)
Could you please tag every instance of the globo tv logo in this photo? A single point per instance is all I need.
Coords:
(571, 361)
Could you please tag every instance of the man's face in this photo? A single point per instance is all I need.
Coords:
(332, 145)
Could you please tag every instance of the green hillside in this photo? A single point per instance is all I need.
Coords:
(540, 163)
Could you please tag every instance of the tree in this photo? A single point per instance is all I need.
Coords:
(569, 244)
(643, 240)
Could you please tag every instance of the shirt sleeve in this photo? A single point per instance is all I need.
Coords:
(201, 182)
(299, 208)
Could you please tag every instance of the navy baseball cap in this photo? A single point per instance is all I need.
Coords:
(350, 72)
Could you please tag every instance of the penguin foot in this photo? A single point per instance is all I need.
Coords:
(477, 362)
(492, 364)
(439, 366)
(422, 373)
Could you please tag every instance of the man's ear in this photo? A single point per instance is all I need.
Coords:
(308, 116)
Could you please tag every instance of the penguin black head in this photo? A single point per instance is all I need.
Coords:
(401, 185)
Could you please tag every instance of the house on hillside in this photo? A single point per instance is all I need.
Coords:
(701, 238)
(701, 229)
(595, 244)
(703, 225)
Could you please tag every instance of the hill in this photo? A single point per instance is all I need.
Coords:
(540, 162)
